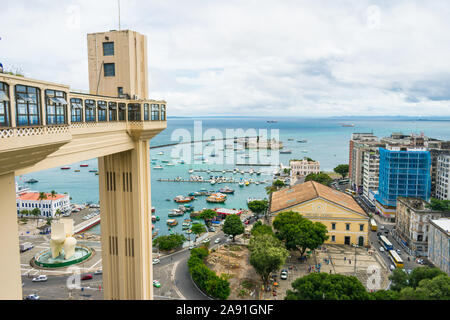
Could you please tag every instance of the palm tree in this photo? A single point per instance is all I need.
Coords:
(36, 212)
(53, 194)
(42, 196)
(58, 213)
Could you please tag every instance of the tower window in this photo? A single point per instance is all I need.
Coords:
(110, 70)
(108, 48)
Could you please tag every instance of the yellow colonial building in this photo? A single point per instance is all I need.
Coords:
(346, 221)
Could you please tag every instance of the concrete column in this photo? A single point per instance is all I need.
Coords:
(126, 223)
(10, 279)
(12, 106)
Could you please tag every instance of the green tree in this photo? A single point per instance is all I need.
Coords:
(342, 169)
(267, 254)
(437, 288)
(25, 212)
(298, 232)
(52, 195)
(320, 177)
(198, 228)
(420, 273)
(49, 221)
(384, 295)
(276, 185)
(260, 228)
(169, 242)
(58, 213)
(36, 213)
(233, 225)
(207, 215)
(258, 206)
(399, 279)
(324, 286)
(439, 205)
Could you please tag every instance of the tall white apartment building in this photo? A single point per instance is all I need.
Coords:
(371, 169)
(442, 177)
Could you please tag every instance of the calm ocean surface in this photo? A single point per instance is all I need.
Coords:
(327, 143)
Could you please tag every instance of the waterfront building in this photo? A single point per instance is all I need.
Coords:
(442, 177)
(439, 244)
(412, 220)
(301, 168)
(403, 172)
(346, 221)
(360, 143)
(45, 125)
(371, 166)
(48, 206)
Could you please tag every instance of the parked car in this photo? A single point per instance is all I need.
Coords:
(87, 277)
(40, 278)
(206, 240)
(212, 229)
(420, 261)
(156, 284)
(155, 261)
(392, 267)
(33, 296)
(98, 272)
(381, 249)
(382, 227)
(284, 274)
(386, 231)
(191, 247)
(217, 240)
(247, 222)
(399, 251)
(378, 233)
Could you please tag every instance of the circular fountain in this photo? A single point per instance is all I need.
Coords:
(44, 258)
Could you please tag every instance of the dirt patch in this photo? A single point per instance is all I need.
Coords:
(233, 261)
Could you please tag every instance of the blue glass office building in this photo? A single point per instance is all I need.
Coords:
(403, 174)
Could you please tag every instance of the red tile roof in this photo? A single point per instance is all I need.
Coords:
(35, 196)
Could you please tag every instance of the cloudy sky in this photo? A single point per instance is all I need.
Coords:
(252, 57)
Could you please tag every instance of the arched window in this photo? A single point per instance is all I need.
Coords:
(134, 112)
(163, 112)
(146, 112)
(155, 112)
(4, 105)
(76, 110)
(101, 110)
(89, 110)
(112, 106)
(122, 110)
(28, 106)
(56, 107)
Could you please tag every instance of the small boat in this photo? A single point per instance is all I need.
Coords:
(216, 198)
(171, 222)
(181, 162)
(168, 199)
(189, 231)
(160, 153)
(272, 121)
(290, 139)
(213, 181)
(351, 125)
(84, 165)
(170, 164)
(175, 213)
(153, 218)
(165, 161)
(302, 141)
(256, 182)
(153, 209)
(247, 183)
(241, 183)
(191, 171)
(93, 170)
(181, 199)
(77, 170)
(31, 181)
(226, 190)
(258, 173)
(158, 167)
(65, 168)
(304, 151)
(285, 151)
(96, 173)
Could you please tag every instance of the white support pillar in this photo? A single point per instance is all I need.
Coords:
(10, 280)
(126, 223)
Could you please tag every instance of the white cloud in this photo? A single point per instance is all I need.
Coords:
(254, 57)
